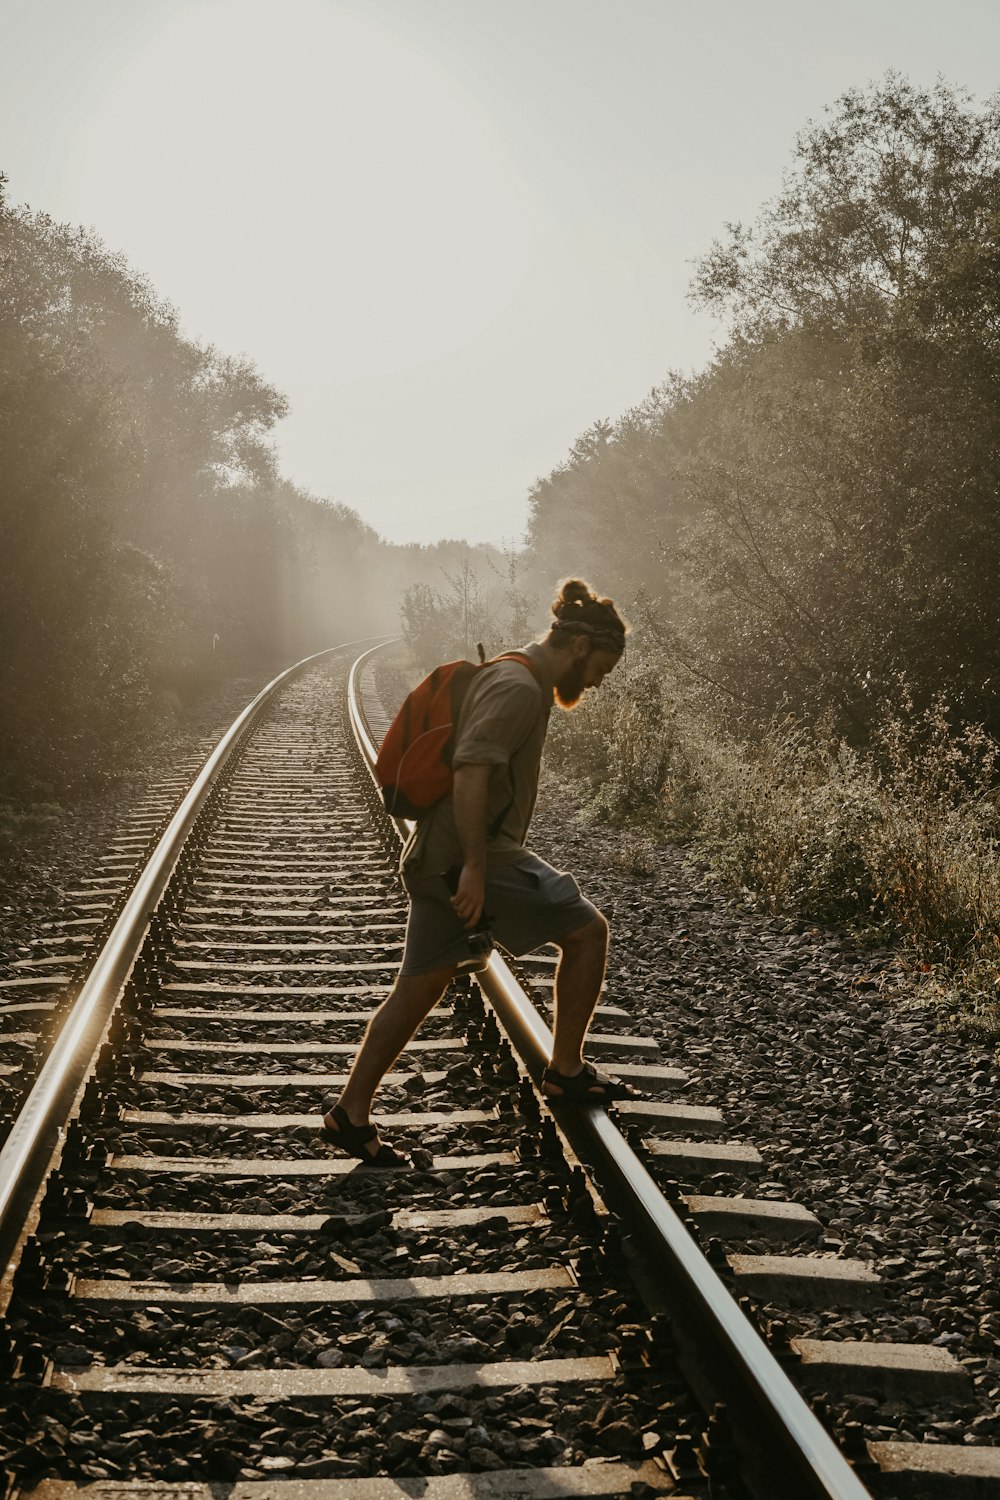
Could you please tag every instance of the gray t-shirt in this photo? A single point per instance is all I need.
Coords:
(502, 725)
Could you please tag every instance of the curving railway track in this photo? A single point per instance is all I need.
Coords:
(204, 1298)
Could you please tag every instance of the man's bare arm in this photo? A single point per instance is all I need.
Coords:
(469, 796)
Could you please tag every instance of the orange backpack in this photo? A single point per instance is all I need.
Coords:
(414, 762)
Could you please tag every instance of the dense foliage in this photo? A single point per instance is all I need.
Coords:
(807, 534)
(816, 512)
(147, 544)
(477, 602)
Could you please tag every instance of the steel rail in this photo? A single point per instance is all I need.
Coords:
(34, 1133)
(802, 1461)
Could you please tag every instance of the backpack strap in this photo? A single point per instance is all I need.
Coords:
(522, 657)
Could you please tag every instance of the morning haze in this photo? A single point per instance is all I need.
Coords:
(454, 233)
(694, 309)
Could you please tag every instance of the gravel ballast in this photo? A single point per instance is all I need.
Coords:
(824, 1058)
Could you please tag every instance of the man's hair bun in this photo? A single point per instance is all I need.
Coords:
(578, 610)
(573, 594)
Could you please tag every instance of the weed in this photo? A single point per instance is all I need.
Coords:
(634, 855)
(899, 843)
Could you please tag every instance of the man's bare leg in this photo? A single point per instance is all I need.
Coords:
(408, 1003)
(578, 985)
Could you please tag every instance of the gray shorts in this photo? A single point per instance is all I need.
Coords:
(527, 904)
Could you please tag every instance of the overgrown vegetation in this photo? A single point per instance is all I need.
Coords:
(478, 602)
(815, 512)
(806, 533)
(898, 843)
(148, 546)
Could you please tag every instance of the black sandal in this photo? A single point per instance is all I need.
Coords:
(586, 1087)
(353, 1139)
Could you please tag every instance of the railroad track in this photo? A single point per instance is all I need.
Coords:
(203, 1294)
(41, 977)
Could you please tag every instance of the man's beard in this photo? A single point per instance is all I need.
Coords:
(569, 688)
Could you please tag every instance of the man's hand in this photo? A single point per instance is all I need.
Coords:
(470, 894)
(470, 796)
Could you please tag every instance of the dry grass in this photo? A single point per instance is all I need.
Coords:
(899, 844)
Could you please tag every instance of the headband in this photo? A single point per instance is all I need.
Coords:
(609, 637)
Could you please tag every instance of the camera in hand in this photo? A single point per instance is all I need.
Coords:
(478, 938)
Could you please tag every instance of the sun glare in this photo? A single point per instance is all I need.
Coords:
(302, 158)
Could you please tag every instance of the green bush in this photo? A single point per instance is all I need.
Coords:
(936, 852)
(789, 821)
(630, 746)
(897, 843)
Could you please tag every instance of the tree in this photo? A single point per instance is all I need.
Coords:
(425, 626)
(614, 511)
(895, 174)
(816, 511)
(847, 481)
(138, 517)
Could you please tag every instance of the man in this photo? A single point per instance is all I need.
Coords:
(468, 857)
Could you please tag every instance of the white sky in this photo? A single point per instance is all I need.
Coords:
(454, 232)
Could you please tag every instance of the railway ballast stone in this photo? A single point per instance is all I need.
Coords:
(824, 1057)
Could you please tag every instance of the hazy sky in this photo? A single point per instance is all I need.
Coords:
(454, 232)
